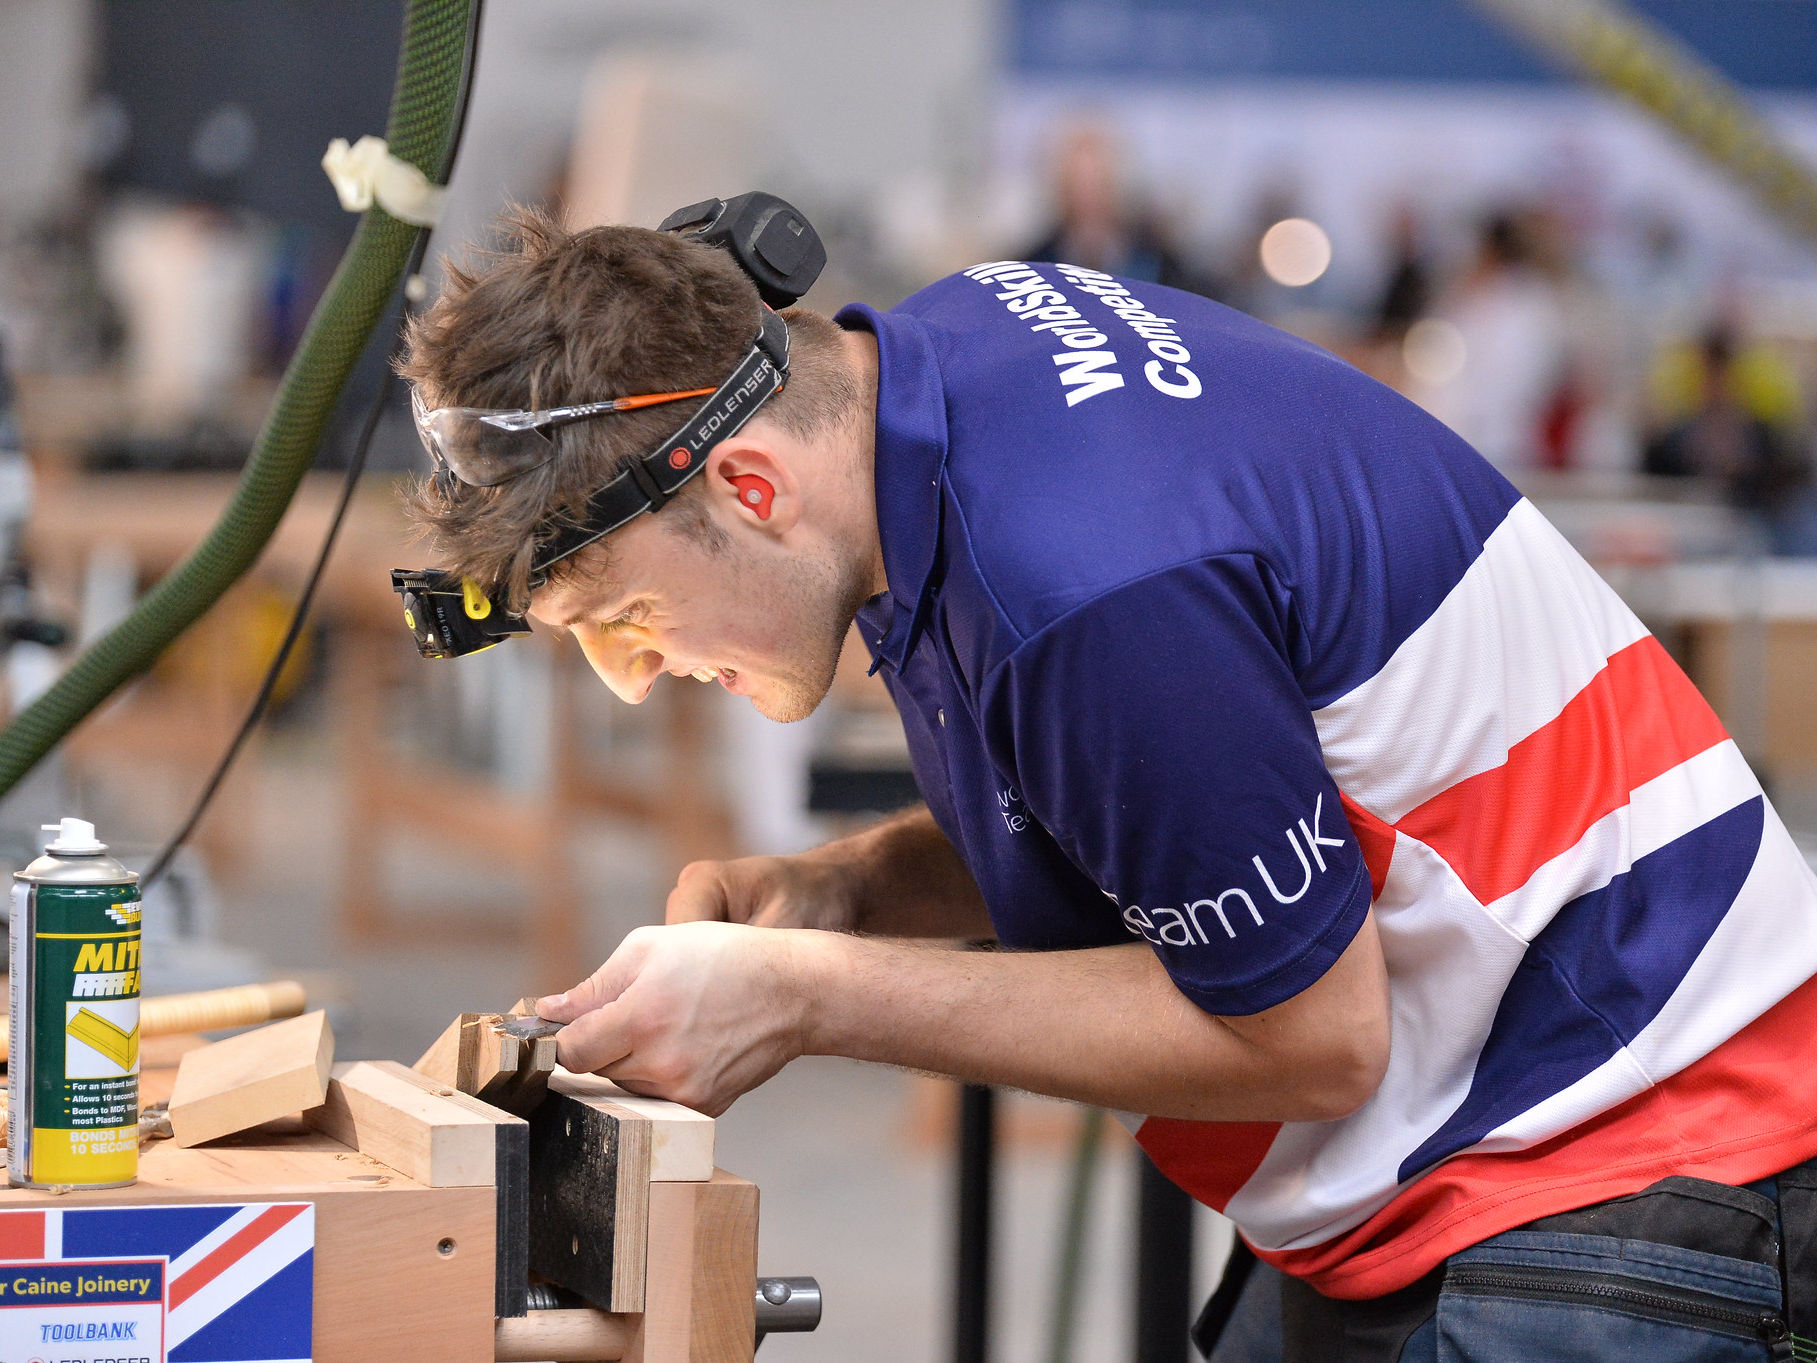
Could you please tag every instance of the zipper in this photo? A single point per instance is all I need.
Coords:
(1681, 1305)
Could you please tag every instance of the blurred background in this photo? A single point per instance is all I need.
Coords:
(1597, 260)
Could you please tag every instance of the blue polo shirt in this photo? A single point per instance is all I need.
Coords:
(1134, 540)
(1202, 637)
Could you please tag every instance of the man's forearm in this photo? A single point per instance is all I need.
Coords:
(1103, 1026)
(907, 880)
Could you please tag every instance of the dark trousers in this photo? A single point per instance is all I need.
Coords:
(1684, 1271)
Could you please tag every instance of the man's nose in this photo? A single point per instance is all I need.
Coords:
(626, 664)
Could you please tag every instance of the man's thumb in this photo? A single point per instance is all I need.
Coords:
(599, 988)
(562, 1007)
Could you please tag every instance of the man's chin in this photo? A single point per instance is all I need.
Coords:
(787, 705)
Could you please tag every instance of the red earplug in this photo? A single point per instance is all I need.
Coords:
(755, 493)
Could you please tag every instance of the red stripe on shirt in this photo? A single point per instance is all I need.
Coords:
(1637, 719)
(236, 1247)
(1375, 838)
(1210, 1160)
(1746, 1110)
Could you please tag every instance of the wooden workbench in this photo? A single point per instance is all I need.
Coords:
(409, 1267)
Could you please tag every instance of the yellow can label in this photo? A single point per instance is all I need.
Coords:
(74, 1078)
(98, 1154)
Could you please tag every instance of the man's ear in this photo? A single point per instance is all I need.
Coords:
(751, 481)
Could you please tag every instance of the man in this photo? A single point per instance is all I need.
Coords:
(1330, 812)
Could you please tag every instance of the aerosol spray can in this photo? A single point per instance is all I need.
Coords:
(72, 1072)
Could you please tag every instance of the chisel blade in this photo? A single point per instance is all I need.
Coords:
(530, 1028)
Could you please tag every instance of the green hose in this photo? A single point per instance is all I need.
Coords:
(421, 129)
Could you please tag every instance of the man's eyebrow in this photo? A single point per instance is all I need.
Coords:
(590, 604)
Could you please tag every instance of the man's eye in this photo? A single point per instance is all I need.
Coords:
(631, 615)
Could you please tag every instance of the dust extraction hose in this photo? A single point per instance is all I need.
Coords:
(437, 43)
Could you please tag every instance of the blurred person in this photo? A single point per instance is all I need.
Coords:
(1252, 709)
(1249, 286)
(1731, 412)
(1588, 420)
(1406, 293)
(1100, 223)
(1509, 317)
(1665, 289)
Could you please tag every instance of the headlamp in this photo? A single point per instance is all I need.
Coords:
(774, 245)
(451, 617)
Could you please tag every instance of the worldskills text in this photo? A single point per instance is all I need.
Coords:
(1086, 368)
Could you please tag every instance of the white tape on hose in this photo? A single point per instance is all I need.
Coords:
(367, 173)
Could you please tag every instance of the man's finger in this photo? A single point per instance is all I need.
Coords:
(593, 1041)
(697, 899)
(598, 989)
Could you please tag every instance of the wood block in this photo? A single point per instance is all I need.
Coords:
(681, 1139)
(535, 1063)
(590, 1198)
(426, 1131)
(470, 1052)
(477, 1056)
(440, 1138)
(699, 1303)
(401, 1271)
(251, 1078)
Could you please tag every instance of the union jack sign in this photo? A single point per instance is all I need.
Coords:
(186, 1284)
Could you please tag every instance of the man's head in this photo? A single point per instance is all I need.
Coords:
(708, 584)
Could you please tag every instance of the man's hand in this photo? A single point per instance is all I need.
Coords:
(698, 1013)
(900, 878)
(767, 892)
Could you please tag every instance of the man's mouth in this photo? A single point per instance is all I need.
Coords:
(725, 676)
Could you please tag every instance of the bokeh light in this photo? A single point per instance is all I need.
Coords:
(1295, 251)
(1433, 351)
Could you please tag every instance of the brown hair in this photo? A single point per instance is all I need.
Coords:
(554, 317)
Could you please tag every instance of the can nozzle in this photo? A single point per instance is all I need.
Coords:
(73, 836)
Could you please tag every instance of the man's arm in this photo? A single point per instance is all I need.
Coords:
(901, 878)
(703, 1012)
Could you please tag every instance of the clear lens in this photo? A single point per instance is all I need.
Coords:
(485, 447)
(481, 452)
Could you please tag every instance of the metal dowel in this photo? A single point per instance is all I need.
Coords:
(971, 1285)
(1163, 1287)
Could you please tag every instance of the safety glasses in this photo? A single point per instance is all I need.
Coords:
(486, 447)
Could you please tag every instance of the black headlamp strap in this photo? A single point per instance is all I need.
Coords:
(647, 484)
(650, 480)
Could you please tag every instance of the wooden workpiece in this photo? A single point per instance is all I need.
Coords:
(436, 1135)
(254, 1077)
(477, 1056)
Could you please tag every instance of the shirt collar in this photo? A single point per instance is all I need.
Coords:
(910, 459)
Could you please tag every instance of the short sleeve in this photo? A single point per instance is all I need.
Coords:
(1159, 735)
